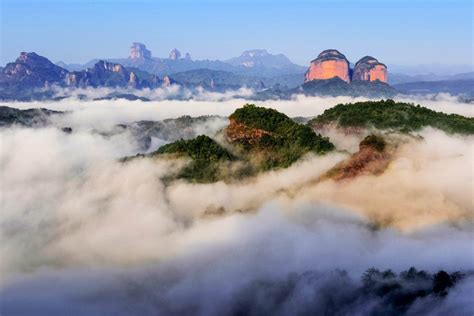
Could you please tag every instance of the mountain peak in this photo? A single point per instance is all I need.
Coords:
(139, 51)
(261, 58)
(175, 54)
(255, 53)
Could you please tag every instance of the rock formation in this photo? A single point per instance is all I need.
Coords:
(175, 54)
(329, 64)
(139, 51)
(107, 74)
(133, 80)
(32, 70)
(372, 158)
(166, 81)
(187, 56)
(238, 132)
(369, 69)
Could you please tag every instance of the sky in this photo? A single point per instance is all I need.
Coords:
(396, 32)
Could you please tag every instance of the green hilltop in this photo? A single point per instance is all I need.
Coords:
(391, 115)
(267, 140)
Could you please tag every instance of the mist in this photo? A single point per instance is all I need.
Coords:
(115, 238)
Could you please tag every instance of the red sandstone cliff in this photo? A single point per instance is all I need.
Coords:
(329, 64)
(372, 158)
(369, 69)
(236, 131)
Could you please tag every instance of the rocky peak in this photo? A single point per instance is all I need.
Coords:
(175, 54)
(255, 53)
(369, 69)
(187, 56)
(107, 74)
(330, 63)
(166, 81)
(261, 58)
(102, 66)
(330, 54)
(32, 70)
(139, 51)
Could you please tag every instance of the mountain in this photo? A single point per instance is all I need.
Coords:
(389, 115)
(27, 118)
(463, 87)
(336, 87)
(224, 80)
(216, 79)
(261, 59)
(30, 72)
(107, 74)
(433, 69)
(249, 63)
(331, 87)
(397, 78)
(257, 139)
(72, 67)
(331, 63)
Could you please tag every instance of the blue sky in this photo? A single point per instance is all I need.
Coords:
(396, 32)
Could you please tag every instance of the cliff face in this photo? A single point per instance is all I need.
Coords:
(371, 159)
(236, 131)
(369, 69)
(329, 64)
(109, 74)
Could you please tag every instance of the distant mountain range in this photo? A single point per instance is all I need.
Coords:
(256, 62)
(397, 78)
(454, 87)
(31, 76)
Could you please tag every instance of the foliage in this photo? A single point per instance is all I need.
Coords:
(206, 156)
(388, 114)
(335, 293)
(286, 140)
(374, 141)
(199, 148)
(399, 292)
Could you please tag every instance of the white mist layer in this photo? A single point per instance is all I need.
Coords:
(110, 112)
(72, 214)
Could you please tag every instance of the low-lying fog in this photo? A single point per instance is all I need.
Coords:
(82, 233)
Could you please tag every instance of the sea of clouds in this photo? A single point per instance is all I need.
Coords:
(82, 233)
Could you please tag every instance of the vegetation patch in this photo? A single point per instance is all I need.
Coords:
(374, 141)
(282, 142)
(207, 158)
(388, 114)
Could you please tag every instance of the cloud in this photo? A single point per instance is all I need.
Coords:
(116, 238)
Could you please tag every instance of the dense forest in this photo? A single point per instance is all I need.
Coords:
(206, 156)
(284, 142)
(388, 114)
